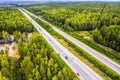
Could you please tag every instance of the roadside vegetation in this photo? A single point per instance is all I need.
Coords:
(40, 61)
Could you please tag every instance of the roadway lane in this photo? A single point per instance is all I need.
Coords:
(97, 55)
(73, 62)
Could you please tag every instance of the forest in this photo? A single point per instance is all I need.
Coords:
(12, 20)
(108, 36)
(36, 62)
(77, 17)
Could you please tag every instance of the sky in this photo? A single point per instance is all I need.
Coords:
(59, 0)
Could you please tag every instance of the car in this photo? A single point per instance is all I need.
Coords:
(78, 74)
(66, 57)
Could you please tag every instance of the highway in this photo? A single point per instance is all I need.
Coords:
(73, 62)
(111, 64)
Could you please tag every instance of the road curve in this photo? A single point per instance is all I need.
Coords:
(111, 64)
(73, 62)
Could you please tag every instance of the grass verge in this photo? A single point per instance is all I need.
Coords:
(113, 55)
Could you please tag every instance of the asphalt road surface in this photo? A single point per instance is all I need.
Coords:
(73, 62)
(111, 64)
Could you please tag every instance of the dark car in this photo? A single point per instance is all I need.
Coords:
(78, 74)
(66, 57)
